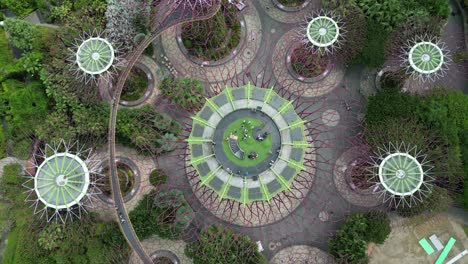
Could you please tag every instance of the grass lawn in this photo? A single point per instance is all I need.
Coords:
(247, 145)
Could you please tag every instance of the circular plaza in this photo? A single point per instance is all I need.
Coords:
(247, 145)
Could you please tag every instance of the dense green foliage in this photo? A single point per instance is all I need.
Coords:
(390, 20)
(437, 201)
(146, 129)
(21, 7)
(219, 245)
(372, 53)
(86, 241)
(22, 33)
(436, 122)
(350, 242)
(163, 213)
(392, 13)
(214, 38)
(157, 177)
(186, 92)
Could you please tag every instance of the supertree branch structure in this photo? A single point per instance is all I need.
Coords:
(64, 182)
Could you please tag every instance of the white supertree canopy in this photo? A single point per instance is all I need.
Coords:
(425, 58)
(401, 173)
(94, 56)
(64, 181)
(323, 31)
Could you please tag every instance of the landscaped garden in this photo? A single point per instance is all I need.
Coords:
(241, 160)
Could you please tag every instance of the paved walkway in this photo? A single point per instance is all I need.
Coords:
(408, 231)
(187, 68)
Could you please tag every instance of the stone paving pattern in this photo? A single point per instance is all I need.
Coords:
(240, 62)
(302, 255)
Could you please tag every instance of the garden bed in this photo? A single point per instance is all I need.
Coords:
(128, 179)
(215, 38)
(135, 86)
(308, 65)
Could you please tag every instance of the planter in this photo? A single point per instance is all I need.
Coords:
(290, 8)
(136, 179)
(149, 89)
(208, 63)
(305, 79)
(164, 257)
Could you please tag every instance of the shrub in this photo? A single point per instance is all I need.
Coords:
(20, 7)
(158, 177)
(165, 213)
(349, 245)
(378, 226)
(22, 33)
(219, 245)
(372, 53)
(12, 174)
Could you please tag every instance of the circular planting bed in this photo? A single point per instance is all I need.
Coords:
(357, 177)
(129, 179)
(212, 41)
(138, 86)
(308, 65)
(291, 5)
(164, 257)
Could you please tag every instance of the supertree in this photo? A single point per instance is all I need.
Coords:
(425, 58)
(63, 181)
(94, 56)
